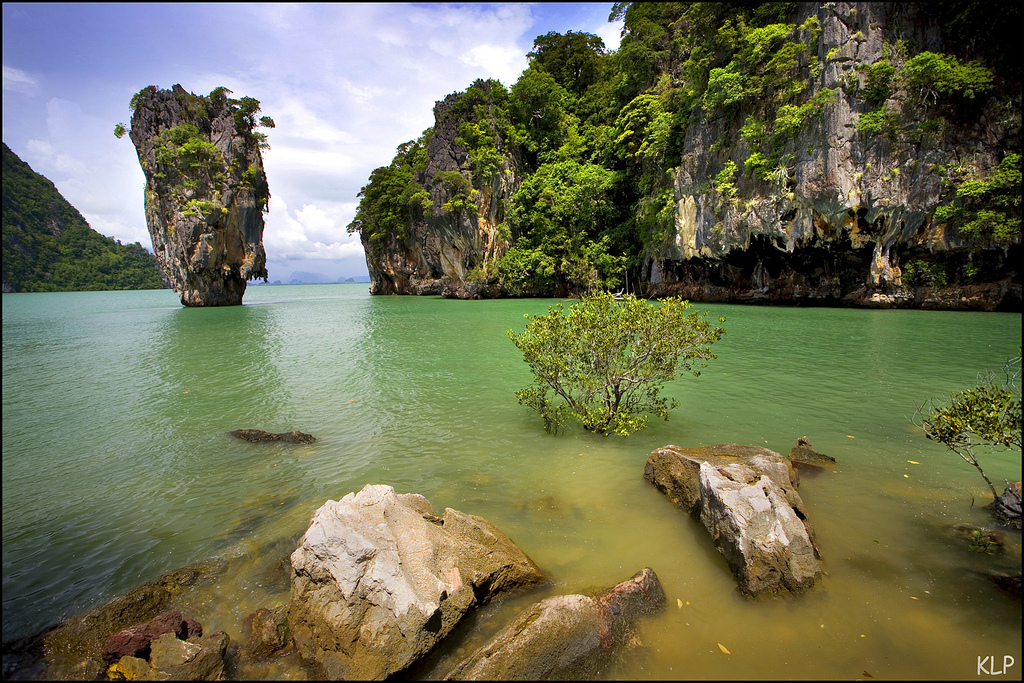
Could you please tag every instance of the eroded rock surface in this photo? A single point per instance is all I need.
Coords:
(746, 497)
(567, 637)
(206, 192)
(378, 579)
(443, 247)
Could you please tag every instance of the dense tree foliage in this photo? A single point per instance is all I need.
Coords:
(595, 136)
(48, 246)
(605, 361)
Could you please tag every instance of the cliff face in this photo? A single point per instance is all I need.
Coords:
(824, 160)
(852, 207)
(443, 248)
(205, 192)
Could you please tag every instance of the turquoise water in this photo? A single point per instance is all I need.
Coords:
(117, 466)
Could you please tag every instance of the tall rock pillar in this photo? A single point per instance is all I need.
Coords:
(206, 190)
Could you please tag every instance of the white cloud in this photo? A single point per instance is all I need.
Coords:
(311, 232)
(80, 156)
(17, 80)
(505, 61)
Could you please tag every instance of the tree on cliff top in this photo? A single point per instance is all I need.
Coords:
(607, 359)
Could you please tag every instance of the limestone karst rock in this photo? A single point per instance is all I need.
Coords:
(791, 195)
(445, 245)
(206, 191)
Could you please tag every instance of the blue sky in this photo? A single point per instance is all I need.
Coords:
(345, 84)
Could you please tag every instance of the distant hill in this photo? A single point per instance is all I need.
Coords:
(49, 247)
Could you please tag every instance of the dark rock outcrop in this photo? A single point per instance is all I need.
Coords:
(205, 193)
(1007, 506)
(260, 436)
(803, 455)
(567, 637)
(378, 579)
(746, 497)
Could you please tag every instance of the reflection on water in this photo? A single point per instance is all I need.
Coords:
(116, 460)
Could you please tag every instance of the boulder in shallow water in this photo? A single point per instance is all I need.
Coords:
(269, 629)
(196, 659)
(746, 497)
(378, 579)
(803, 453)
(260, 436)
(1007, 506)
(567, 637)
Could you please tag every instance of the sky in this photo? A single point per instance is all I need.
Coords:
(345, 83)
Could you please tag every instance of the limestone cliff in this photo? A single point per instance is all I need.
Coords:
(456, 236)
(803, 153)
(206, 191)
(851, 207)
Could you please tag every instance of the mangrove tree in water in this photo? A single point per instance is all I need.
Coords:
(605, 360)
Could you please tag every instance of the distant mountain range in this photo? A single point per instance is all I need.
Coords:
(305, 277)
(49, 247)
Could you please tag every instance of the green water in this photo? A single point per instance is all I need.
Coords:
(117, 466)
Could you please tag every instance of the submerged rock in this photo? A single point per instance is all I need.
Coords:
(259, 436)
(378, 580)
(567, 637)
(803, 456)
(746, 497)
(1007, 506)
(206, 191)
(269, 633)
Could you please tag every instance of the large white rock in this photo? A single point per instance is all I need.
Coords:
(746, 497)
(378, 579)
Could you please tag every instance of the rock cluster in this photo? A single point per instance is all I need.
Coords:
(205, 193)
(167, 656)
(379, 579)
(746, 497)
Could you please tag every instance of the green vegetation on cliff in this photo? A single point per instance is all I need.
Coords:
(595, 138)
(48, 246)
